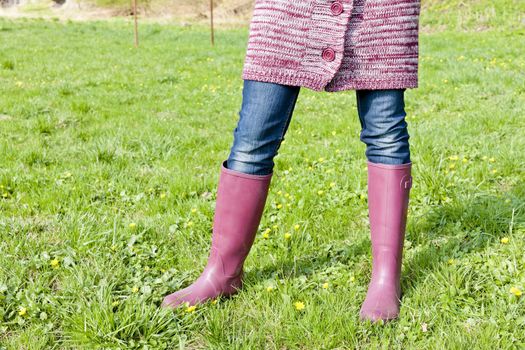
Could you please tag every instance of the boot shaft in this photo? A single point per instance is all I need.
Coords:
(241, 199)
(388, 195)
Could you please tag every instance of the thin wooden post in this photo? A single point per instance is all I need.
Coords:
(136, 23)
(211, 22)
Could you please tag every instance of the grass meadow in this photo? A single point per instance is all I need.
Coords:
(110, 157)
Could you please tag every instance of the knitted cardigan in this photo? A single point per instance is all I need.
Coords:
(334, 45)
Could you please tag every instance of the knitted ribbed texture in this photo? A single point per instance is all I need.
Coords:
(334, 45)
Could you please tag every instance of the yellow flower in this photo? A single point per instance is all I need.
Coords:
(279, 192)
(516, 291)
(332, 184)
(492, 160)
(287, 195)
(299, 305)
(452, 166)
(275, 227)
(115, 303)
(465, 160)
(494, 171)
(162, 195)
(269, 288)
(55, 263)
(279, 206)
(191, 308)
(265, 235)
(287, 235)
(352, 279)
(321, 159)
(22, 311)
(214, 301)
(320, 192)
(135, 290)
(362, 196)
(450, 261)
(296, 227)
(325, 285)
(505, 240)
(132, 226)
(454, 157)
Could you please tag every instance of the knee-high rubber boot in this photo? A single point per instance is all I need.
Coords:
(239, 206)
(388, 195)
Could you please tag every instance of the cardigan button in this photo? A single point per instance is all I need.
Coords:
(336, 8)
(328, 54)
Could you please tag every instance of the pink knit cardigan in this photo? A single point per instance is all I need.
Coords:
(334, 45)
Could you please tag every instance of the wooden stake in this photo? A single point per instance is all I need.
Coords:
(211, 23)
(136, 23)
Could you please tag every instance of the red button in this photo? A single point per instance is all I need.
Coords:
(336, 8)
(328, 54)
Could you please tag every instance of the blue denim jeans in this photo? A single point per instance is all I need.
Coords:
(267, 109)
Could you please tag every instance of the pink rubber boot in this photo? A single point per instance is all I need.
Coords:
(240, 202)
(388, 194)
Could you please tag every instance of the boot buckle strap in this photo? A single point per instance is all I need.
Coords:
(406, 182)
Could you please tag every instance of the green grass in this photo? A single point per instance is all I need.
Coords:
(467, 15)
(96, 135)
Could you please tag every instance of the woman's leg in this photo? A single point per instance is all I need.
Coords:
(264, 118)
(242, 190)
(384, 131)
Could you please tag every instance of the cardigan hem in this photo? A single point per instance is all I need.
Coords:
(291, 79)
(371, 84)
(339, 84)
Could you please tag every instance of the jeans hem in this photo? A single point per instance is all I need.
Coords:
(244, 175)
